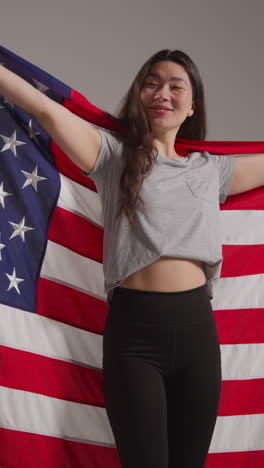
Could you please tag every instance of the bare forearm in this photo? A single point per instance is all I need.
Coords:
(21, 93)
(79, 141)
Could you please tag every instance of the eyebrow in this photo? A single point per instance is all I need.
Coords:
(174, 78)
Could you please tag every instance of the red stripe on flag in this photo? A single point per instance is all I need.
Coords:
(67, 305)
(79, 105)
(237, 326)
(66, 167)
(240, 260)
(52, 452)
(27, 450)
(241, 397)
(31, 372)
(250, 200)
(77, 234)
(252, 459)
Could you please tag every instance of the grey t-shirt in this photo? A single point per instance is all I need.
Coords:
(180, 217)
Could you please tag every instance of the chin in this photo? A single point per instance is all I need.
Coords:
(162, 125)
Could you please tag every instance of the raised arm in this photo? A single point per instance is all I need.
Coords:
(77, 139)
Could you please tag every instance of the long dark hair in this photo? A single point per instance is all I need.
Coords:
(131, 114)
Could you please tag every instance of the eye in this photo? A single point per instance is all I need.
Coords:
(151, 84)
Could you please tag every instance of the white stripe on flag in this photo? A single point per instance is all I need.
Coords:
(238, 227)
(80, 200)
(64, 266)
(241, 433)
(40, 335)
(47, 337)
(242, 361)
(39, 414)
(239, 292)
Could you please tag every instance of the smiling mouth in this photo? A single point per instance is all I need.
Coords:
(160, 111)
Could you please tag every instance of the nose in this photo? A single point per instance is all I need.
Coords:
(162, 93)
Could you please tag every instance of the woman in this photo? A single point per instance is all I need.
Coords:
(161, 354)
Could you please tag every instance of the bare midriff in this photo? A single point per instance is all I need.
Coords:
(167, 274)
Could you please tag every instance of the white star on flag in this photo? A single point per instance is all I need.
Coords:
(11, 143)
(32, 178)
(3, 194)
(31, 132)
(20, 229)
(14, 281)
(41, 87)
(2, 246)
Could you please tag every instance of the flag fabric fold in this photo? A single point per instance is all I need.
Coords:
(53, 307)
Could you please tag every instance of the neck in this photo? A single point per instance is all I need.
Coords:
(165, 144)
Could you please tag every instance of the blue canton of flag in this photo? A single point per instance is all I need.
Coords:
(29, 189)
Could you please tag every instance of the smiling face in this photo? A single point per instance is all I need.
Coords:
(167, 85)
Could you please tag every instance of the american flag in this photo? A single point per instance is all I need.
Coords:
(53, 306)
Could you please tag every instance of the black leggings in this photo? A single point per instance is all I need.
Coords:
(161, 376)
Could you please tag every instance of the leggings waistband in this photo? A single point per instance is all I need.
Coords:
(175, 307)
(125, 290)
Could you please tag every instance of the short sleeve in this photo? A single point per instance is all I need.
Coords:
(110, 145)
(226, 166)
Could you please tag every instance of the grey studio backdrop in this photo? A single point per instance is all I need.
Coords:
(97, 47)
